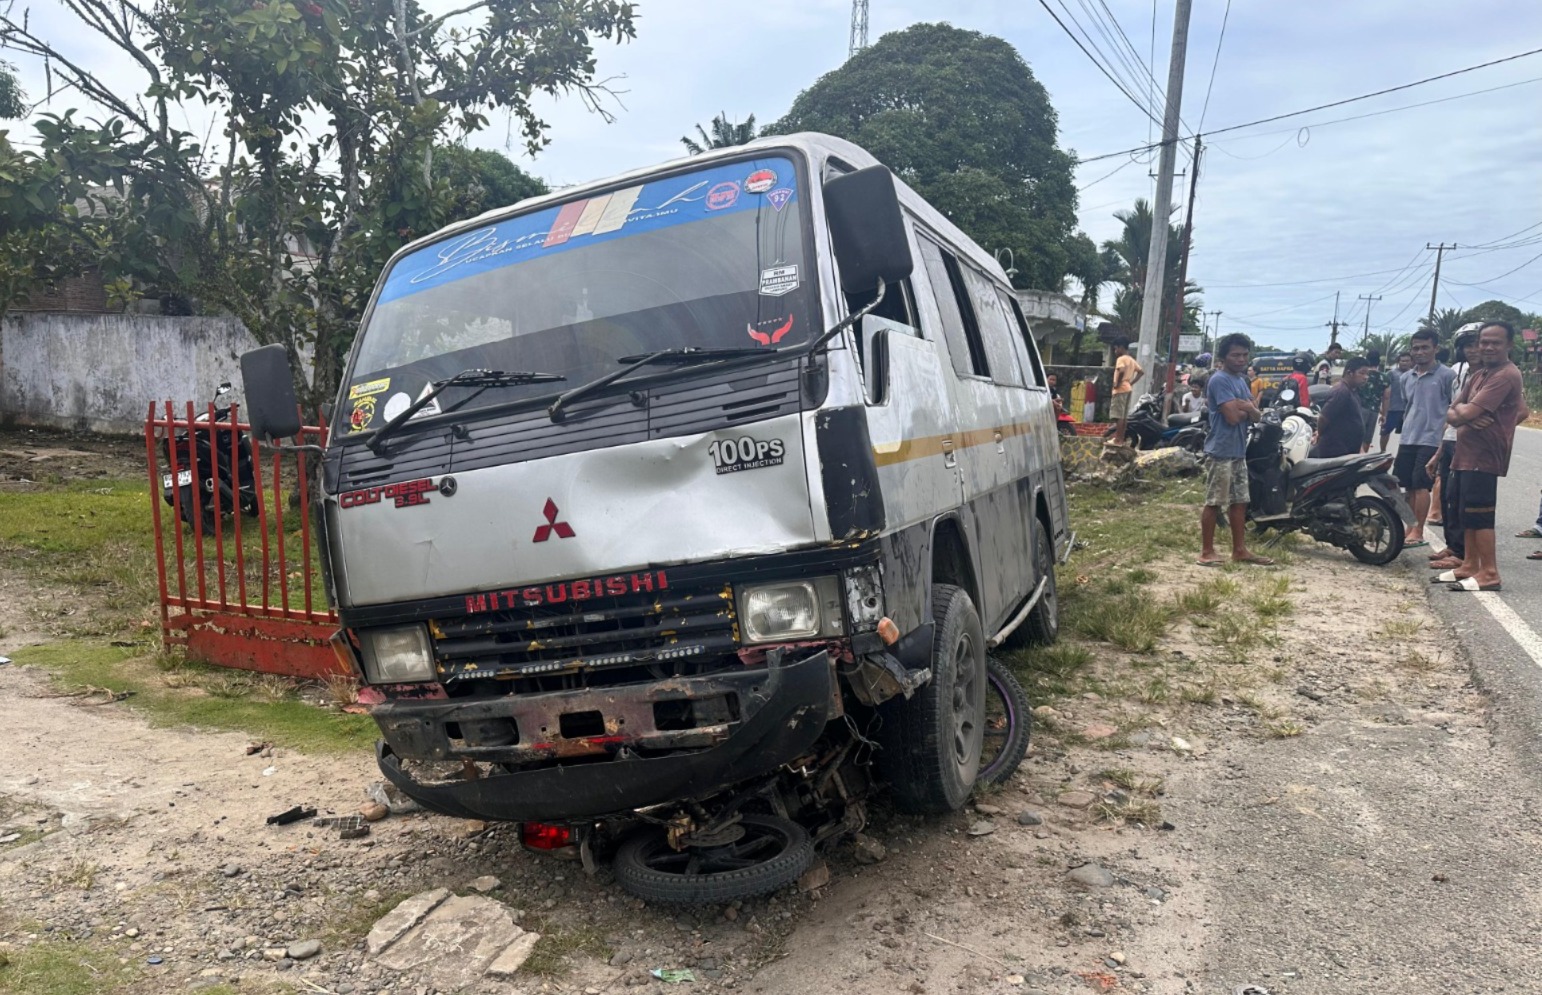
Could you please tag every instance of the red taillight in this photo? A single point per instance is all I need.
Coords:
(544, 836)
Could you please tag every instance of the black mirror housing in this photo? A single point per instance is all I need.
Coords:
(867, 229)
(271, 405)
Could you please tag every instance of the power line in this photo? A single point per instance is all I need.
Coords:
(1335, 103)
(1132, 76)
(1123, 165)
(1482, 283)
(1218, 43)
(1069, 34)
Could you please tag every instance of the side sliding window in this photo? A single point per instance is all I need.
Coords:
(958, 326)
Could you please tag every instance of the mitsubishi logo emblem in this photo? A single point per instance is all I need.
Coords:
(563, 529)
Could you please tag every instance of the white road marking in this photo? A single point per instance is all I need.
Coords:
(1523, 634)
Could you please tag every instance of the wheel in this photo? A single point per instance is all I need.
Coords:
(1042, 626)
(931, 741)
(1378, 530)
(770, 855)
(1066, 428)
(1008, 724)
(205, 512)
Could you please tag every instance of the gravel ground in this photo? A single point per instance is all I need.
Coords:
(1337, 816)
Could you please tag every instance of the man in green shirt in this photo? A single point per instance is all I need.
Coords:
(1370, 393)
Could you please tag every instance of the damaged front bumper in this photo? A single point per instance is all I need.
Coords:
(615, 757)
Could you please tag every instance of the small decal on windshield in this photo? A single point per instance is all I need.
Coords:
(363, 414)
(778, 280)
(401, 401)
(734, 455)
(773, 336)
(723, 195)
(760, 181)
(369, 387)
(779, 197)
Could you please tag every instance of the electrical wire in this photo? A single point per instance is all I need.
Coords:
(1069, 34)
(1482, 284)
(1122, 166)
(1335, 103)
(1134, 77)
(1216, 62)
(1418, 296)
(1292, 307)
(1523, 231)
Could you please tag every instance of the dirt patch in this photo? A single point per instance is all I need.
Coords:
(32, 456)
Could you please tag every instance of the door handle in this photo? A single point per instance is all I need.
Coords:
(1001, 447)
(949, 457)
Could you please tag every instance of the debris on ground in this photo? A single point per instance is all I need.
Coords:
(450, 940)
(673, 975)
(295, 814)
(392, 797)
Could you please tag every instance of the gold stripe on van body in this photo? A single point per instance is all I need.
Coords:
(935, 445)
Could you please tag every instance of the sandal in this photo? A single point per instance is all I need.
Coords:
(1472, 586)
(1531, 533)
(1452, 562)
(1256, 560)
(1444, 554)
(1415, 543)
(1534, 555)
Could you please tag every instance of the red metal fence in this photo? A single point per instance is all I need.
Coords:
(239, 570)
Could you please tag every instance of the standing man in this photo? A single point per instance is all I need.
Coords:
(1445, 496)
(1371, 392)
(1127, 373)
(1328, 363)
(1491, 404)
(1340, 423)
(1226, 484)
(1394, 402)
(1428, 390)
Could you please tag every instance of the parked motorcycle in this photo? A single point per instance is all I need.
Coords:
(214, 466)
(1147, 429)
(1352, 502)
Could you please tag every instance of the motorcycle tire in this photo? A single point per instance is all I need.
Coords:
(930, 756)
(771, 855)
(1008, 724)
(205, 513)
(1376, 512)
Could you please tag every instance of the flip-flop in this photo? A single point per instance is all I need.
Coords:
(1209, 563)
(1444, 554)
(1449, 577)
(1472, 586)
(1415, 543)
(1531, 533)
(1450, 563)
(1435, 522)
(1257, 561)
(1535, 555)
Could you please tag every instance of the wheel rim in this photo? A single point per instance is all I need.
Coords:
(762, 841)
(968, 694)
(1373, 529)
(1000, 720)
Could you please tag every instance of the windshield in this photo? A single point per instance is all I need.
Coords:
(712, 258)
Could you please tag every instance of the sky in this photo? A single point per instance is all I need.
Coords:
(1287, 214)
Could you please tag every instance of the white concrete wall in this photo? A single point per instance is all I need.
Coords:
(99, 372)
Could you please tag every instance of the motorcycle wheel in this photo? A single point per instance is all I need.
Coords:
(1008, 724)
(770, 855)
(1378, 530)
(206, 513)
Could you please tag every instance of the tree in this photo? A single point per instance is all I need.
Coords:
(333, 113)
(725, 134)
(1496, 311)
(482, 180)
(959, 116)
(13, 103)
(1388, 344)
(1447, 321)
(1132, 249)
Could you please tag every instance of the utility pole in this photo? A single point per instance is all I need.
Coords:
(1183, 272)
(1215, 329)
(1440, 251)
(1368, 299)
(1335, 323)
(1161, 211)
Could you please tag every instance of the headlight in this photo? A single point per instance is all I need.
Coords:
(800, 609)
(397, 656)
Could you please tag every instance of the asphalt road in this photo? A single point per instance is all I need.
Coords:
(1502, 632)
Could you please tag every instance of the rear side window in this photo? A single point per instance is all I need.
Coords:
(1030, 348)
(958, 327)
(995, 326)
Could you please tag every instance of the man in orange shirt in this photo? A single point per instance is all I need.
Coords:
(1127, 373)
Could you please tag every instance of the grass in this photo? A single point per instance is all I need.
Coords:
(558, 945)
(62, 969)
(1401, 628)
(1133, 811)
(1050, 671)
(1284, 729)
(352, 925)
(172, 693)
(80, 874)
(1132, 621)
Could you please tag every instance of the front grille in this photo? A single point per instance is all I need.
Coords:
(627, 630)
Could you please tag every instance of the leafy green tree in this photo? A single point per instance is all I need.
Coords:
(482, 180)
(1447, 321)
(13, 102)
(334, 112)
(1495, 311)
(1132, 249)
(725, 134)
(1389, 344)
(960, 117)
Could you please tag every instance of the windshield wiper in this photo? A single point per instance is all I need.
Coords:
(481, 379)
(677, 356)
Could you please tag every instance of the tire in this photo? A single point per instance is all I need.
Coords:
(644, 860)
(1006, 744)
(205, 512)
(1374, 513)
(1042, 626)
(931, 742)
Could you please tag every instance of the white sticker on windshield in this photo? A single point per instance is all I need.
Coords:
(778, 280)
(401, 401)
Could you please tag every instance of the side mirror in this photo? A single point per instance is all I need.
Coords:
(271, 405)
(867, 229)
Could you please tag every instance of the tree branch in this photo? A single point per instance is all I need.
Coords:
(436, 22)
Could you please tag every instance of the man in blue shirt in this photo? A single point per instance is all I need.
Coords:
(1428, 388)
(1231, 407)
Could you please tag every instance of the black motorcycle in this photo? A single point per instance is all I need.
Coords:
(1352, 502)
(215, 466)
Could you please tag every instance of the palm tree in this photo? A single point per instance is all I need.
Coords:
(1447, 321)
(1388, 344)
(1131, 249)
(724, 134)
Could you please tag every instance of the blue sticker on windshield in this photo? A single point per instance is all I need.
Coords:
(632, 210)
